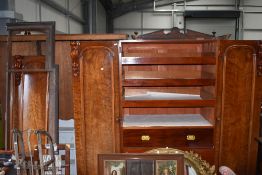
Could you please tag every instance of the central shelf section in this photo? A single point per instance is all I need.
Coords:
(168, 94)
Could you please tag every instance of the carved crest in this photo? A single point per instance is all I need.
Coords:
(18, 65)
(75, 52)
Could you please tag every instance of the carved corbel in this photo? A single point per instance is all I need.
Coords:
(18, 65)
(75, 53)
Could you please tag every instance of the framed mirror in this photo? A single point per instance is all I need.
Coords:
(140, 164)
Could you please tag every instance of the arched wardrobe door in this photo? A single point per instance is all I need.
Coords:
(239, 112)
(95, 97)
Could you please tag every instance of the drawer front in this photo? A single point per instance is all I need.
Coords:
(179, 137)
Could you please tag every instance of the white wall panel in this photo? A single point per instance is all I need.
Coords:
(75, 27)
(130, 20)
(49, 14)
(252, 25)
(62, 3)
(252, 9)
(30, 12)
(28, 8)
(100, 19)
(75, 7)
(253, 35)
(253, 21)
(156, 20)
(252, 2)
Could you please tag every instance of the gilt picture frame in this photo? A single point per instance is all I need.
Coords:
(140, 163)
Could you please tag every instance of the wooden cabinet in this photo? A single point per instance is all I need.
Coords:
(168, 95)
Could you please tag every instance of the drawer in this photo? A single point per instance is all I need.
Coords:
(177, 137)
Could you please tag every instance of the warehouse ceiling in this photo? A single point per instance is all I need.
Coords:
(120, 7)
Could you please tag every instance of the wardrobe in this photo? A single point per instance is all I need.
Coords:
(195, 95)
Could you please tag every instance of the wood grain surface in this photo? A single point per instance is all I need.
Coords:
(168, 137)
(94, 104)
(29, 100)
(237, 113)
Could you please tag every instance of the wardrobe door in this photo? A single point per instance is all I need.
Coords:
(94, 102)
(239, 108)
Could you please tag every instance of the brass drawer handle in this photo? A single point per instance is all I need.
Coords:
(145, 138)
(191, 137)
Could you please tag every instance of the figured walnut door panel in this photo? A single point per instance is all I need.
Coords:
(29, 96)
(94, 98)
(237, 107)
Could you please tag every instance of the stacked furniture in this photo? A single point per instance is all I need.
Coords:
(134, 96)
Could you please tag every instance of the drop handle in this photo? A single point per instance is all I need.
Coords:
(191, 137)
(145, 137)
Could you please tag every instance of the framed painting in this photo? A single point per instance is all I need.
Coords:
(140, 164)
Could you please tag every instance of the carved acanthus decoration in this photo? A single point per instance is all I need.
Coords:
(18, 65)
(75, 53)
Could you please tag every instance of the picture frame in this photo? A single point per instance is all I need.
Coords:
(140, 163)
(166, 167)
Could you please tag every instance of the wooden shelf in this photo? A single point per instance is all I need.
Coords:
(159, 99)
(167, 82)
(166, 120)
(167, 103)
(204, 60)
